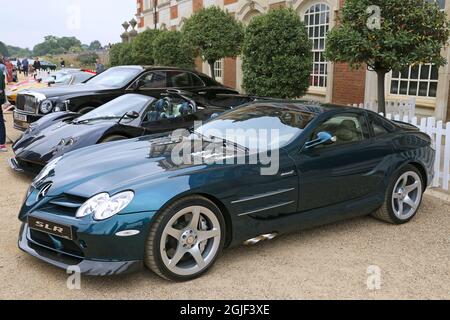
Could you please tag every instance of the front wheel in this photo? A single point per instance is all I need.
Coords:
(186, 239)
(403, 198)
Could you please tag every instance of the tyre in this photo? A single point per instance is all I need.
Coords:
(403, 198)
(85, 110)
(113, 138)
(186, 239)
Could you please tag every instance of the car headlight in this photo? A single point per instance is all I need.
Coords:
(46, 171)
(102, 206)
(46, 106)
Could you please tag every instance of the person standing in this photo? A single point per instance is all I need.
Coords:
(36, 66)
(99, 67)
(25, 65)
(9, 69)
(3, 67)
(19, 66)
(2, 121)
(63, 63)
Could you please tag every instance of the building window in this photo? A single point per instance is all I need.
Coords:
(317, 20)
(218, 69)
(419, 81)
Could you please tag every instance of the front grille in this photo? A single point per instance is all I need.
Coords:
(56, 243)
(64, 204)
(27, 103)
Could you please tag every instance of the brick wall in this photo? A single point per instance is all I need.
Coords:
(348, 85)
(277, 5)
(229, 72)
(197, 5)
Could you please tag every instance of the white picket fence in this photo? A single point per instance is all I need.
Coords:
(397, 107)
(405, 110)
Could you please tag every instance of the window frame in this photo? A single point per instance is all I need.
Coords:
(365, 128)
(327, 25)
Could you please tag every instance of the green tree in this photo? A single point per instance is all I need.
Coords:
(3, 50)
(277, 59)
(409, 32)
(68, 42)
(142, 47)
(95, 45)
(171, 50)
(18, 52)
(214, 34)
(115, 54)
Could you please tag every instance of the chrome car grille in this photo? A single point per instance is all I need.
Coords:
(27, 103)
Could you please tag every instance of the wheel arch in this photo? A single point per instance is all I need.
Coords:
(109, 134)
(422, 171)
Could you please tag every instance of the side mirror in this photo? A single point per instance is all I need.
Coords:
(322, 138)
(138, 84)
(132, 115)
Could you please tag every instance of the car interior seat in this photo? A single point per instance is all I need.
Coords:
(347, 132)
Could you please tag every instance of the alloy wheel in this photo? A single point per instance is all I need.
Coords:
(407, 195)
(190, 240)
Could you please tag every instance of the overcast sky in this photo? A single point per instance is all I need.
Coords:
(24, 23)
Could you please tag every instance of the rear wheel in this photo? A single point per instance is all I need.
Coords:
(403, 198)
(186, 239)
(113, 138)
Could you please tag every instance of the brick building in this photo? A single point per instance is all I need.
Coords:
(330, 82)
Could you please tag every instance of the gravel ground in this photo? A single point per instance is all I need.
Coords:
(329, 262)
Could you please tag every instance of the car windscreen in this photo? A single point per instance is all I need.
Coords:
(258, 127)
(118, 107)
(115, 77)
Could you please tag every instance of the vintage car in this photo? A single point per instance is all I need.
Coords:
(152, 81)
(66, 77)
(113, 208)
(129, 116)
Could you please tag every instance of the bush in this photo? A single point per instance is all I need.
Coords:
(169, 49)
(142, 47)
(87, 58)
(277, 58)
(121, 54)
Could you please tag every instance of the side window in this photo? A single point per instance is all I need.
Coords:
(347, 128)
(154, 80)
(196, 81)
(168, 108)
(178, 79)
(377, 125)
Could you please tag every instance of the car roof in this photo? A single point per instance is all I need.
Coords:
(303, 106)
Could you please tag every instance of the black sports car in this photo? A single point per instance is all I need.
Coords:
(131, 115)
(31, 105)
